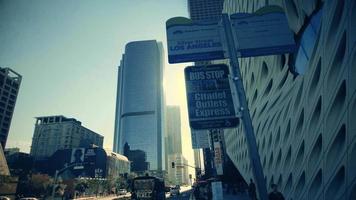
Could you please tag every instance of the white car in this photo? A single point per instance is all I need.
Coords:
(4, 198)
(121, 192)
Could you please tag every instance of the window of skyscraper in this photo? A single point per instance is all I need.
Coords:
(307, 42)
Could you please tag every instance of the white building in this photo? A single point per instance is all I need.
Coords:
(58, 132)
(304, 124)
(179, 173)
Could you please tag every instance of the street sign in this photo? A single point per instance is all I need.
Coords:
(218, 159)
(217, 190)
(200, 139)
(210, 103)
(188, 41)
(265, 32)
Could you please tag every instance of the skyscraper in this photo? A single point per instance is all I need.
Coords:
(139, 101)
(58, 132)
(205, 10)
(174, 135)
(9, 87)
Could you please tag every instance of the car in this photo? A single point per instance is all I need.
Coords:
(174, 191)
(4, 198)
(29, 198)
(121, 192)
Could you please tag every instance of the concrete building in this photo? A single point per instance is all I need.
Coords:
(303, 105)
(58, 132)
(92, 162)
(174, 135)
(140, 102)
(178, 175)
(205, 10)
(4, 169)
(9, 87)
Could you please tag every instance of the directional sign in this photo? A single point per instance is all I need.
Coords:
(189, 42)
(210, 103)
(265, 32)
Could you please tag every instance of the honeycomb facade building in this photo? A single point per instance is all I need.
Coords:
(303, 110)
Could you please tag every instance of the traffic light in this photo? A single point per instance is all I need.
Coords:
(173, 164)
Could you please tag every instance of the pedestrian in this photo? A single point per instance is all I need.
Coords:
(252, 190)
(275, 194)
(196, 192)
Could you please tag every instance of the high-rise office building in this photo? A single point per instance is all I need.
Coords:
(139, 104)
(205, 10)
(303, 105)
(177, 175)
(58, 132)
(9, 87)
(173, 132)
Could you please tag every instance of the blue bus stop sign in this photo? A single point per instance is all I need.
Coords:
(210, 103)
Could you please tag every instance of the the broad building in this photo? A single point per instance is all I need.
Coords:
(9, 87)
(140, 103)
(58, 132)
(303, 105)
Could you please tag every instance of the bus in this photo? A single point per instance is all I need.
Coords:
(148, 188)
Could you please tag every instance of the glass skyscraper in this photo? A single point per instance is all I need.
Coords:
(140, 100)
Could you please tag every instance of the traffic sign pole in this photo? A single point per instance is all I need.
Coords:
(246, 118)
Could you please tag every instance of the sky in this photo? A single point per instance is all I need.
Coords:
(68, 52)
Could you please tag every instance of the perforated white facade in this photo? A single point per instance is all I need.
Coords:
(305, 125)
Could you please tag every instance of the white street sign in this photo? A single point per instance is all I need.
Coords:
(189, 42)
(265, 32)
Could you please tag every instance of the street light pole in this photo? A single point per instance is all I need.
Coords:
(61, 171)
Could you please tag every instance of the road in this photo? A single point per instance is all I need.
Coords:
(184, 195)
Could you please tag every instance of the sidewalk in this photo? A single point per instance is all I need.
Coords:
(229, 197)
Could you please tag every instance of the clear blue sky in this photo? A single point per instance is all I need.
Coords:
(67, 52)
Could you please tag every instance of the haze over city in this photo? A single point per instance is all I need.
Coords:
(68, 55)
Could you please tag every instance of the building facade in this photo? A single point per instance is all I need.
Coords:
(174, 135)
(58, 132)
(205, 10)
(178, 174)
(93, 162)
(9, 87)
(303, 105)
(139, 104)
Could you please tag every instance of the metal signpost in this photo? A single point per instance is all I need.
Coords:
(266, 32)
(246, 119)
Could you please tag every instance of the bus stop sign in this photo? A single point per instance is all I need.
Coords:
(210, 103)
